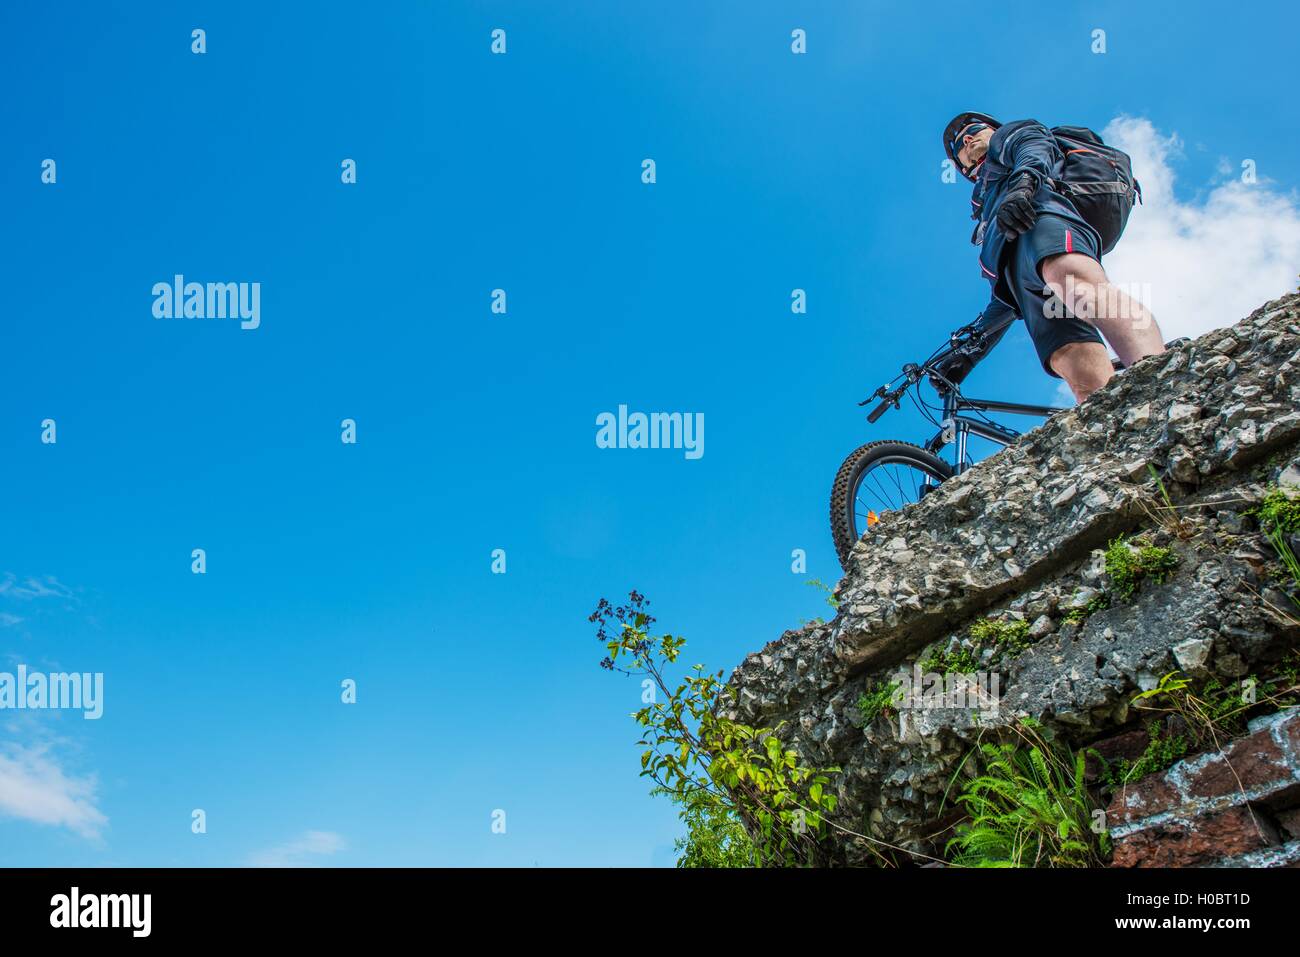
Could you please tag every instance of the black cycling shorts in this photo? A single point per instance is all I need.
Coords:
(1050, 324)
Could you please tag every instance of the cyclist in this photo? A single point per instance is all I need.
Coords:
(1038, 253)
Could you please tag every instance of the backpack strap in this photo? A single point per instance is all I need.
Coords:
(1093, 189)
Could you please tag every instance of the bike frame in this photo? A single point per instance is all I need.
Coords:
(957, 428)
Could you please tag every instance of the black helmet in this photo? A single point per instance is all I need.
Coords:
(959, 123)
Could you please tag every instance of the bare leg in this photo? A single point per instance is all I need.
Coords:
(1085, 366)
(1081, 283)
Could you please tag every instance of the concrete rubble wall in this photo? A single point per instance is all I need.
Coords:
(1018, 538)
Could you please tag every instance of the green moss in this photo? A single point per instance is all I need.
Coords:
(1131, 562)
(1010, 635)
(960, 660)
(1007, 638)
(1279, 511)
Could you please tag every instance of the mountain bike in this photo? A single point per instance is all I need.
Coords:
(887, 475)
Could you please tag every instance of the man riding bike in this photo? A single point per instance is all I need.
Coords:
(1032, 236)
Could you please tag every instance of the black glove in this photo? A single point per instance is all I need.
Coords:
(1016, 211)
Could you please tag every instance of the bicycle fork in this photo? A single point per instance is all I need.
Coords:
(956, 429)
(952, 430)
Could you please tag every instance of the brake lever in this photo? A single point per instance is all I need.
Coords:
(878, 394)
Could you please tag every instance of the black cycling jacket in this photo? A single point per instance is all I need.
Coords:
(1025, 146)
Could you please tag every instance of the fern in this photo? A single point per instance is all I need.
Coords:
(1030, 808)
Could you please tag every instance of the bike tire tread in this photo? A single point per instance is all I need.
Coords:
(841, 489)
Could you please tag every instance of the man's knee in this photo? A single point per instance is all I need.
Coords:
(1085, 366)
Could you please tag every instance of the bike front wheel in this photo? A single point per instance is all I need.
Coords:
(877, 478)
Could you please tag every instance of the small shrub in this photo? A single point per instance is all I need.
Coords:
(1278, 510)
(725, 776)
(714, 837)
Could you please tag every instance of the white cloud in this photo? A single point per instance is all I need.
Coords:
(7, 620)
(34, 787)
(1208, 262)
(47, 587)
(301, 851)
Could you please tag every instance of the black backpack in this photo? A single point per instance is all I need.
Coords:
(1098, 179)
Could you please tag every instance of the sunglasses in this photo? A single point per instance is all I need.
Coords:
(958, 142)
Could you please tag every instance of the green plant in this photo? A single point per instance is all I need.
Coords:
(1010, 635)
(714, 835)
(1279, 517)
(1129, 563)
(830, 600)
(1287, 671)
(1029, 808)
(960, 660)
(1279, 509)
(1095, 604)
(721, 773)
(1161, 752)
(1226, 705)
(1214, 709)
(1164, 513)
(1207, 713)
(1283, 681)
(877, 698)
(822, 586)
(1006, 637)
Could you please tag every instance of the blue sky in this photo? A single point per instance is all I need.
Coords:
(476, 431)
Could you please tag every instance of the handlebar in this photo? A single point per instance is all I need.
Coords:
(961, 340)
(911, 375)
(879, 410)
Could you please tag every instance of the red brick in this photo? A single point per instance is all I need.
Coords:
(1258, 763)
(1195, 843)
(1127, 746)
(1144, 797)
(1291, 731)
